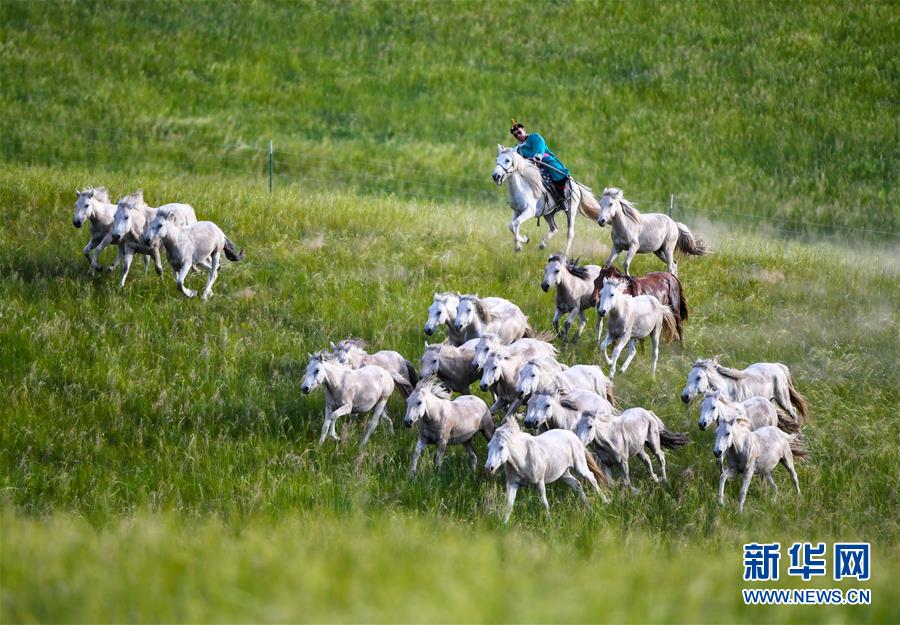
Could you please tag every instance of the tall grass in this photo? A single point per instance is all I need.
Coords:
(773, 110)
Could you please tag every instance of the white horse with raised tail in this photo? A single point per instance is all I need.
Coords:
(540, 460)
(528, 199)
(650, 232)
(93, 206)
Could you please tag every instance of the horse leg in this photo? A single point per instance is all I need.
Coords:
(181, 275)
(556, 321)
(373, 422)
(211, 275)
(420, 447)
(542, 489)
(128, 257)
(95, 254)
(628, 257)
(86, 251)
(612, 256)
(473, 457)
(656, 448)
(646, 459)
(748, 475)
(511, 488)
(575, 484)
(441, 451)
(632, 350)
(599, 329)
(570, 224)
(774, 485)
(655, 338)
(626, 476)
(157, 262)
(551, 222)
(120, 254)
(582, 320)
(723, 477)
(330, 420)
(513, 406)
(788, 461)
(569, 320)
(604, 345)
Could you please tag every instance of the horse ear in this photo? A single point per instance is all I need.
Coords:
(331, 343)
(500, 148)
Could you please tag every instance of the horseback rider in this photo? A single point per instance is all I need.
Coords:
(534, 146)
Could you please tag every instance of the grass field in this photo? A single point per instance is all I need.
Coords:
(157, 460)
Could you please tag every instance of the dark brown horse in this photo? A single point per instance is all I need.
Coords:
(660, 284)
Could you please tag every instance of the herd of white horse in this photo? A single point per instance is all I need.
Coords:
(580, 433)
(137, 228)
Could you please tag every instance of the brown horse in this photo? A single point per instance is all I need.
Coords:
(662, 285)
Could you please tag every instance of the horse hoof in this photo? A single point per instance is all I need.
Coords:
(542, 246)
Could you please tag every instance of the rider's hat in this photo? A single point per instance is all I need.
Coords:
(515, 125)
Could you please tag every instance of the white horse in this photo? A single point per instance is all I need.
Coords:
(500, 372)
(574, 290)
(93, 205)
(353, 352)
(650, 232)
(771, 380)
(529, 348)
(348, 391)
(199, 244)
(550, 409)
(754, 452)
(528, 198)
(630, 319)
(541, 373)
(476, 316)
(615, 440)
(444, 422)
(132, 217)
(452, 365)
(443, 311)
(540, 460)
(757, 411)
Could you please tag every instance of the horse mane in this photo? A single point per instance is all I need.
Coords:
(530, 172)
(323, 355)
(579, 271)
(133, 200)
(352, 342)
(728, 372)
(630, 210)
(98, 192)
(433, 385)
(480, 309)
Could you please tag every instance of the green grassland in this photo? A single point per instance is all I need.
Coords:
(157, 460)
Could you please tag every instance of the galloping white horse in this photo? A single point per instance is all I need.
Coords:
(476, 316)
(538, 460)
(754, 452)
(132, 217)
(574, 290)
(757, 411)
(632, 318)
(551, 409)
(348, 391)
(199, 244)
(444, 422)
(528, 199)
(94, 206)
(650, 232)
(771, 380)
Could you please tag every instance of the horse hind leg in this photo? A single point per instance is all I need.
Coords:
(212, 274)
(569, 479)
(570, 224)
(553, 229)
(646, 459)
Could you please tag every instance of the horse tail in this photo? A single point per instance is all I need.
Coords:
(669, 326)
(545, 336)
(595, 469)
(798, 400)
(785, 422)
(798, 447)
(487, 424)
(231, 251)
(588, 205)
(688, 243)
(528, 333)
(611, 397)
(411, 373)
(678, 292)
(669, 440)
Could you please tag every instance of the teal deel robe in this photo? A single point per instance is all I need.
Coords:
(535, 144)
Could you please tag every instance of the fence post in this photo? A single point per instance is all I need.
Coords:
(271, 161)
(671, 203)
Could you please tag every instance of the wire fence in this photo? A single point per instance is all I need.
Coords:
(320, 171)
